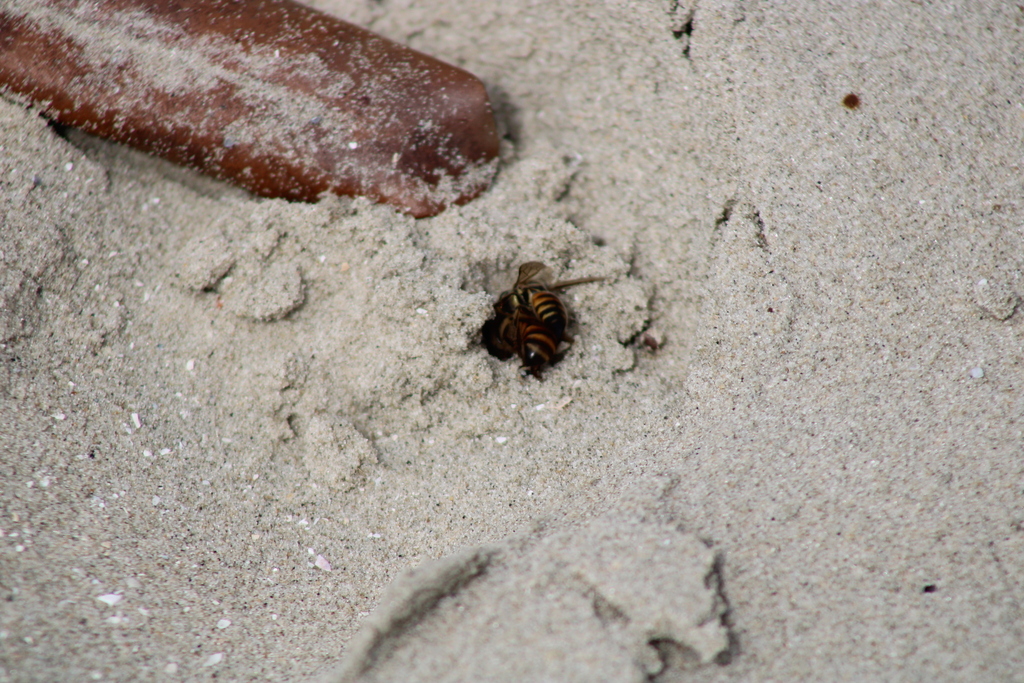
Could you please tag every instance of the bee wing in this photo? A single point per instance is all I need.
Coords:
(578, 281)
(533, 271)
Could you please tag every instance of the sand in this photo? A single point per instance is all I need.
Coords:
(245, 439)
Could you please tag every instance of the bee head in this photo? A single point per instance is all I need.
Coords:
(533, 357)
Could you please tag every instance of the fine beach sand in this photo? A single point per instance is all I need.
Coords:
(250, 440)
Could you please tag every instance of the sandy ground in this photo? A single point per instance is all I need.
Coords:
(248, 440)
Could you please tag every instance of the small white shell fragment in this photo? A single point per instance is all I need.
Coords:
(214, 659)
(421, 311)
(977, 373)
(147, 453)
(223, 624)
(190, 365)
(322, 563)
(165, 451)
(136, 421)
(59, 416)
(500, 439)
(156, 500)
(110, 599)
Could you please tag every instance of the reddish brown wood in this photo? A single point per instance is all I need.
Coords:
(277, 97)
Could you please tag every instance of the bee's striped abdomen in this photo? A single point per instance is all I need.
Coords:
(536, 343)
(551, 311)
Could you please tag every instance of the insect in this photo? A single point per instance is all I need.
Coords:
(530, 319)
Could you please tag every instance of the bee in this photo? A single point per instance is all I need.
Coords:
(530, 319)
